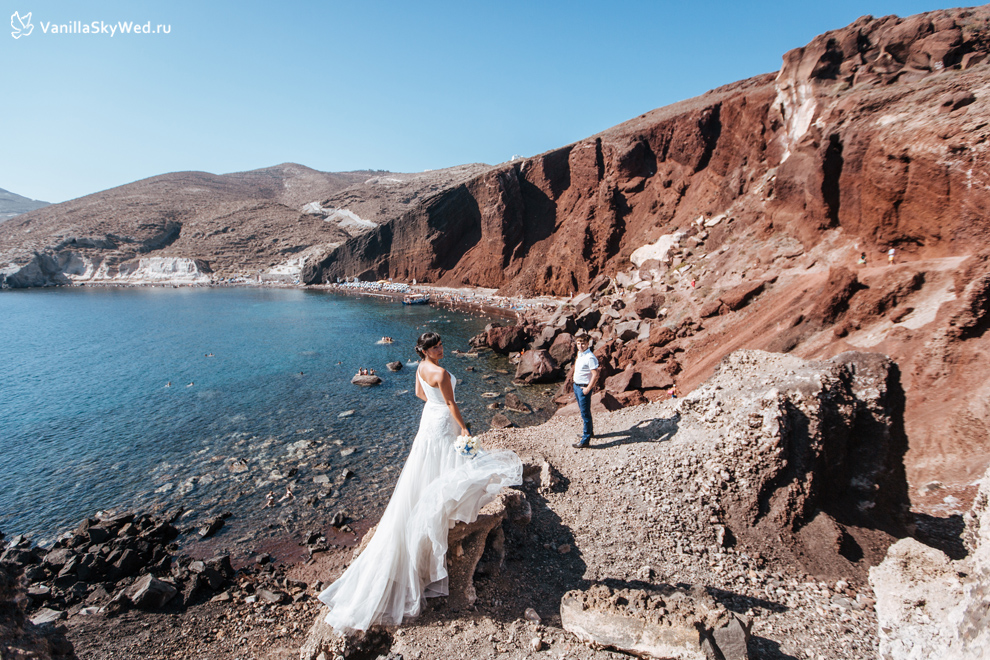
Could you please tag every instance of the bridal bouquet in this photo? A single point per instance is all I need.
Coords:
(467, 445)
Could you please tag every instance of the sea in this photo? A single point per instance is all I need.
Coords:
(197, 402)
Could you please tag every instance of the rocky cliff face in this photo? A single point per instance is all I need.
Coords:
(876, 129)
(757, 200)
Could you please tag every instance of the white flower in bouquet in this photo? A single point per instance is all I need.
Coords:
(467, 445)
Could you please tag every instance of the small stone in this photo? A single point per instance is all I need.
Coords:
(45, 615)
(536, 643)
(564, 548)
(278, 597)
(346, 413)
(348, 451)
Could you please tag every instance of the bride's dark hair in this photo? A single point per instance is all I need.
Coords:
(426, 341)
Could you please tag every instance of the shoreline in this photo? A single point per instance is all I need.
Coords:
(471, 299)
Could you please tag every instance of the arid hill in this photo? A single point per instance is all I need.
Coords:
(12, 204)
(231, 224)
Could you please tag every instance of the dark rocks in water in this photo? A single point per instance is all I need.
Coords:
(211, 527)
(506, 340)
(515, 404)
(500, 421)
(366, 380)
(394, 366)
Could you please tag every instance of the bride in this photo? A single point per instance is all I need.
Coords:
(403, 563)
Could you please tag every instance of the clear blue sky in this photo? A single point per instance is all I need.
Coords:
(363, 84)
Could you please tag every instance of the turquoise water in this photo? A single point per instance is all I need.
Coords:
(259, 379)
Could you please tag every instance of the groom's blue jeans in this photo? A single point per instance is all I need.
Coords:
(584, 405)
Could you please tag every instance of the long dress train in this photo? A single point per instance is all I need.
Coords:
(403, 563)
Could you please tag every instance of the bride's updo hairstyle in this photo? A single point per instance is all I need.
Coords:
(426, 341)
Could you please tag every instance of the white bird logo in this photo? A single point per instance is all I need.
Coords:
(21, 24)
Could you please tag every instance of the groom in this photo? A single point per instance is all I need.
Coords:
(585, 377)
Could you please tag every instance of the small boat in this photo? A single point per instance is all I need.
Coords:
(416, 299)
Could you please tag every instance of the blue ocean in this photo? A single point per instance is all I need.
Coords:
(202, 401)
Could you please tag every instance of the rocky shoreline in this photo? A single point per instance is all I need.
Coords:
(728, 502)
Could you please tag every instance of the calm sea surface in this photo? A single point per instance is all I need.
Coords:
(259, 399)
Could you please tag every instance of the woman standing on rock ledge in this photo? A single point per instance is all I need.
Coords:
(404, 561)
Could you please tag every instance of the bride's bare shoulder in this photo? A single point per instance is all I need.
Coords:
(432, 375)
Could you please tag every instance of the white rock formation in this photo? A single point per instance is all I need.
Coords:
(145, 270)
(796, 100)
(929, 606)
(659, 250)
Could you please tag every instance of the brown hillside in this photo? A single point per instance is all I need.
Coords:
(237, 223)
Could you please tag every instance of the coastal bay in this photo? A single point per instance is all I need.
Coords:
(202, 401)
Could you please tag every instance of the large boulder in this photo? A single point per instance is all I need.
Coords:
(537, 366)
(654, 376)
(623, 381)
(546, 337)
(148, 592)
(929, 606)
(563, 348)
(506, 340)
(661, 622)
(739, 296)
(647, 303)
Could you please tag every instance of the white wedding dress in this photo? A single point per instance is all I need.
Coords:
(403, 563)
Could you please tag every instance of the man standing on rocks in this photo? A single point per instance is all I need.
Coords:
(585, 377)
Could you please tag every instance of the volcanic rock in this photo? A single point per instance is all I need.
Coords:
(500, 421)
(366, 380)
(563, 348)
(506, 340)
(536, 366)
(817, 447)
(647, 302)
(150, 593)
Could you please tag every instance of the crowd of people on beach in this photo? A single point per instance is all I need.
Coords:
(394, 287)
